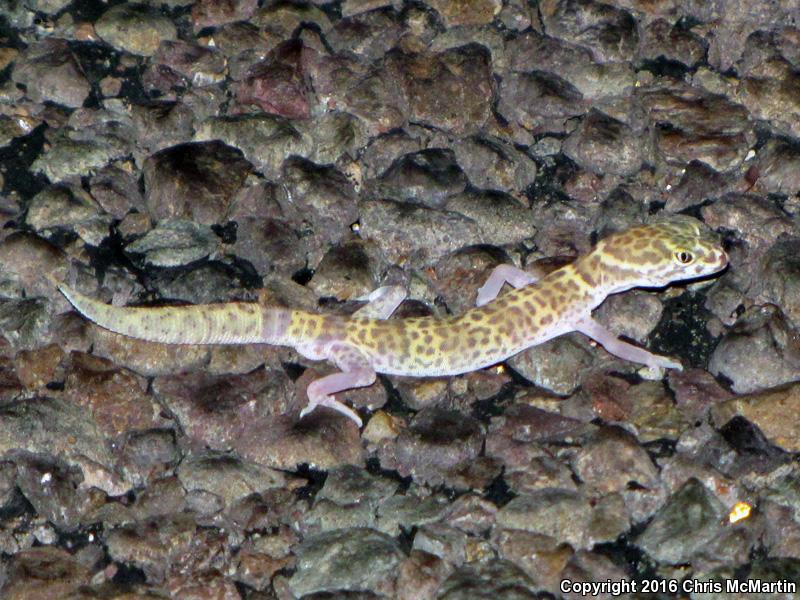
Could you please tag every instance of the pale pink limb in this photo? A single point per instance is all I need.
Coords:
(356, 372)
(613, 345)
(382, 303)
(503, 274)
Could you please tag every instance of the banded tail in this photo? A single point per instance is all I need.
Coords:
(225, 323)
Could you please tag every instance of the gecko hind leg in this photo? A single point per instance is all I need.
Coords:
(503, 274)
(356, 372)
(381, 303)
(613, 345)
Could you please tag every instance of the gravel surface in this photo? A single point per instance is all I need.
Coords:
(176, 151)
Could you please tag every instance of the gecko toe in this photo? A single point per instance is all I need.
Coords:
(334, 404)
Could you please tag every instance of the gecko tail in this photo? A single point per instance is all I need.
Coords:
(222, 323)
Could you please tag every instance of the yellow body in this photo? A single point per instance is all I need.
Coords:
(651, 255)
(482, 336)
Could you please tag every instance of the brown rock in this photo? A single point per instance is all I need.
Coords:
(775, 411)
(36, 368)
(116, 398)
(44, 573)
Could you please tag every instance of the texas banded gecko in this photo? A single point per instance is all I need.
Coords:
(367, 343)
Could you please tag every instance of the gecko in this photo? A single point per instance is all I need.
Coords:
(499, 326)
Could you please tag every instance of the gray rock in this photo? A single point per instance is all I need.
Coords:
(157, 545)
(47, 426)
(346, 560)
(436, 447)
(266, 140)
(116, 191)
(409, 510)
(279, 83)
(324, 199)
(51, 486)
(609, 32)
(61, 206)
(758, 221)
(226, 476)
(759, 353)
(663, 40)
(12, 128)
(443, 541)
(491, 163)
(428, 178)
(47, 6)
(588, 567)
(161, 125)
(174, 243)
(23, 259)
(451, 90)
(502, 219)
(68, 157)
(194, 181)
(50, 73)
(612, 460)
(485, 580)
(557, 365)
(375, 95)
(206, 13)
(148, 454)
(396, 228)
(602, 144)
(538, 100)
(772, 411)
(25, 322)
(270, 245)
(571, 63)
(690, 520)
(562, 514)
(349, 270)
(58, 572)
(135, 28)
(777, 166)
(349, 484)
(199, 66)
(370, 33)
(778, 282)
(701, 126)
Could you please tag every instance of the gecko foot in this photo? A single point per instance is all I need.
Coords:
(333, 403)
(664, 362)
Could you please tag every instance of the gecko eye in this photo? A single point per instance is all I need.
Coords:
(684, 257)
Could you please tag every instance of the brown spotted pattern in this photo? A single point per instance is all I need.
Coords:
(480, 337)
(646, 255)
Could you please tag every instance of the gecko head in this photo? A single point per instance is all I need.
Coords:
(659, 253)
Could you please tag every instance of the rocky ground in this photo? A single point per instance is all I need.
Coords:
(198, 151)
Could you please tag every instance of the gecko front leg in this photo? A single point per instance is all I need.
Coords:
(613, 345)
(382, 302)
(356, 372)
(501, 275)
